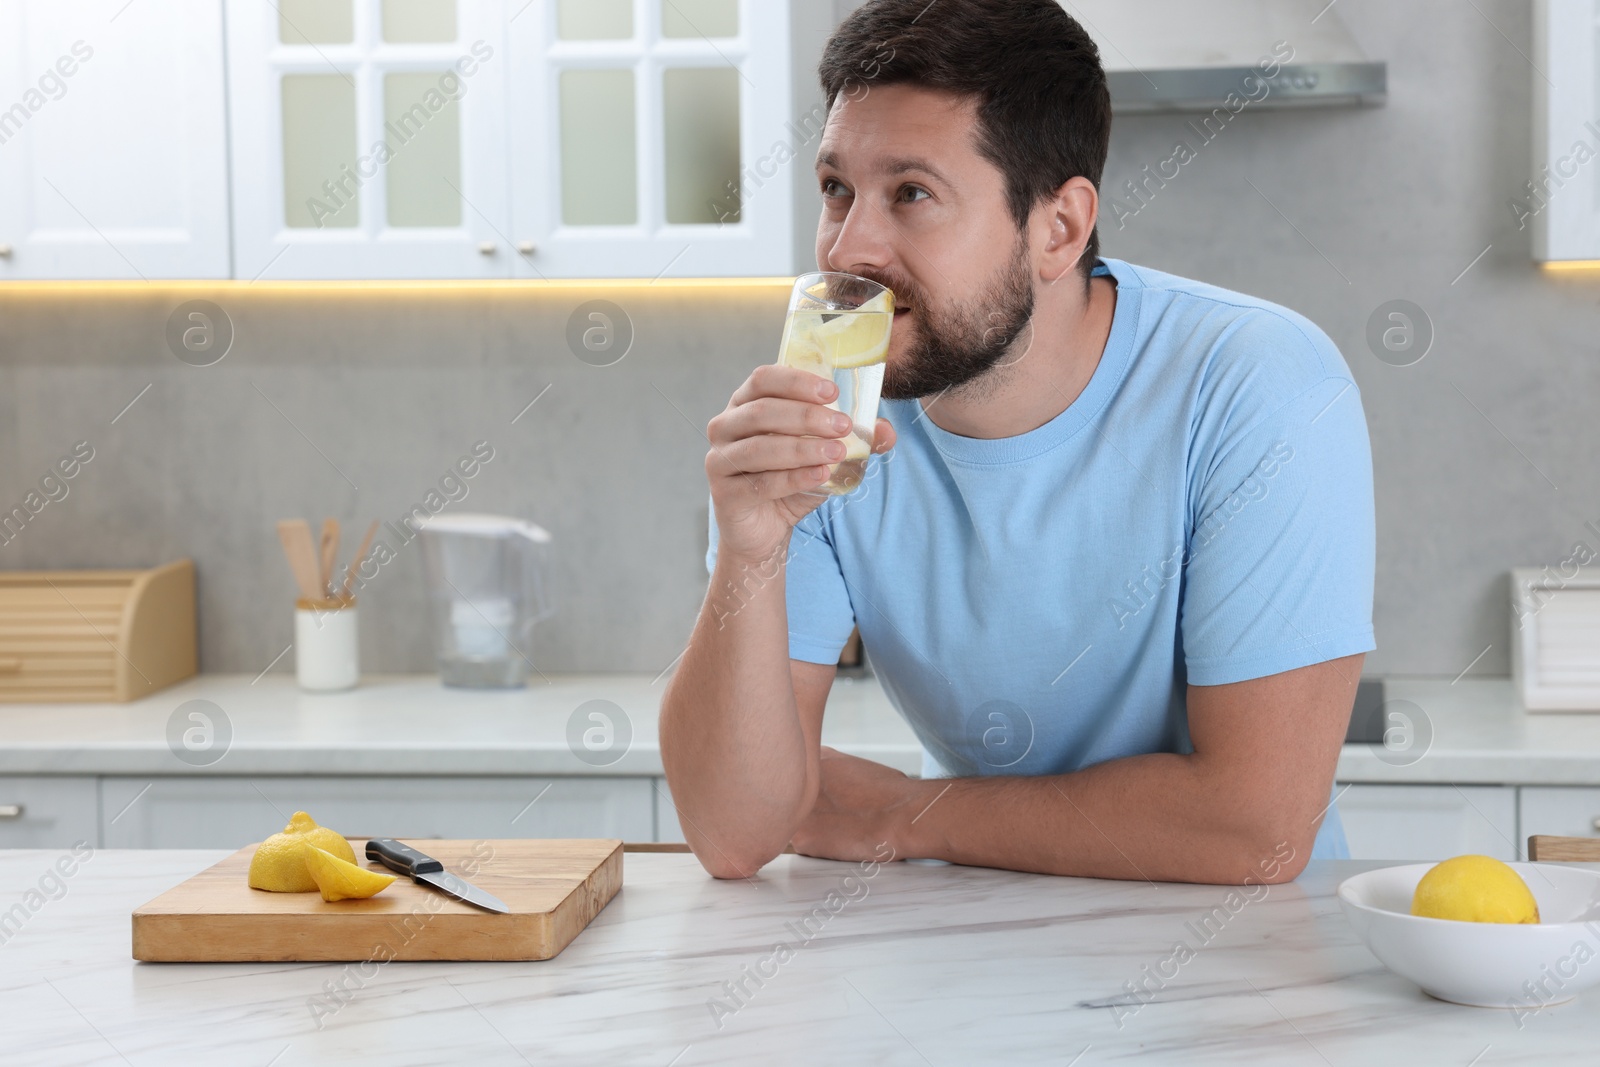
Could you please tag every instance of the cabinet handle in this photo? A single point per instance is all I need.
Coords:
(1596, 823)
(10, 665)
(5, 251)
(527, 248)
(486, 248)
(11, 811)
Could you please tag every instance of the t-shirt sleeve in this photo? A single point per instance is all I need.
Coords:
(818, 601)
(1279, 571)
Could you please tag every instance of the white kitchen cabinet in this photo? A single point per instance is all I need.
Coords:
(1564, 811)
(1558, 203)
(368, 138)
(229, 812)
(671, 138)
(574, 139)
(113, 140)
(48, 812)
(1429, 822)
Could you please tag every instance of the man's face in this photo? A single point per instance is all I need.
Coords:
(909, 202)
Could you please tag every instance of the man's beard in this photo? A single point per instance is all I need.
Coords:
(956, 345)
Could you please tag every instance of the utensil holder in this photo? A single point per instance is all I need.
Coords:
(326, 644)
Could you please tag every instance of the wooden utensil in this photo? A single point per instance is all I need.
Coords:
(295, 534)
(328, 548)
(554, 888)
(361, 554)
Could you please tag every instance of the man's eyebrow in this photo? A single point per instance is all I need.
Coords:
(907, 165)
(900, 165)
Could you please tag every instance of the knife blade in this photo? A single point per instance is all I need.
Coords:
(425, 870)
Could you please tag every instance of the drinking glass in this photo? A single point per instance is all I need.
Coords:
(838, 329)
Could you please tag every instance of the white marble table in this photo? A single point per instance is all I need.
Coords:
(916, 965)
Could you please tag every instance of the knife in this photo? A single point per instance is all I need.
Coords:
(425, 870)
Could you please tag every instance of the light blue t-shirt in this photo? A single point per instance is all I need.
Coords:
(1201, 514)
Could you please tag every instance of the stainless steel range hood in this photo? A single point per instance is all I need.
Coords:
(1190, 55)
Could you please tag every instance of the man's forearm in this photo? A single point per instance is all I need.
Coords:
(1160, 817)
(732, 743)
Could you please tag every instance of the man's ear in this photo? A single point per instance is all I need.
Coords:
(1069, 220)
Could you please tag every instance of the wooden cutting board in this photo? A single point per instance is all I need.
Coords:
(553, 888)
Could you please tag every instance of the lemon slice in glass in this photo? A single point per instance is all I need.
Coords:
(857, 338)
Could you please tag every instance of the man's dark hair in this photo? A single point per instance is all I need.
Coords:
(1044, 112)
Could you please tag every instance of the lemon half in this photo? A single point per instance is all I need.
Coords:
(279, 865)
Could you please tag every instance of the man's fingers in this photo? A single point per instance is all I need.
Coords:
(791, 383)
(777, 415)
(772, 452)
(884, 436)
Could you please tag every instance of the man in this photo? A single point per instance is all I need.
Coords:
(1113, 558)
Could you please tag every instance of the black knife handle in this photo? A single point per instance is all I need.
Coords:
(402, 858)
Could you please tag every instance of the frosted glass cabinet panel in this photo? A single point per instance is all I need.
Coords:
(113, 140)
(599, 140)
(302, 22)
(700, 135)
(699, 18)
(425, 178)
(594, 20)
(419, 21)
(368, 138)
(319, 137)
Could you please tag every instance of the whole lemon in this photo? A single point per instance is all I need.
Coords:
(1474, 889)
(279, 864)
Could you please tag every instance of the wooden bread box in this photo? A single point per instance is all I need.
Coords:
(95, 636)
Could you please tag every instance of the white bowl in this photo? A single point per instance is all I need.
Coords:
(1488, 965)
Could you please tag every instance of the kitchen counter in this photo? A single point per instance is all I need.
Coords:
(407, 724)
(413, 725)
(912, 965)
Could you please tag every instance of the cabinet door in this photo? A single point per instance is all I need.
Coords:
(368, 138)
(48, 812)
(1558, 810)
(657, 138)
(1429, 822)
(227, 812)
(113, 148)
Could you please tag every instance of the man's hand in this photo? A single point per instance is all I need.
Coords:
(860, 806)
(771, 450)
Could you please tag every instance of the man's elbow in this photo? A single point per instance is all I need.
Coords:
(1274, 854)
(723, 866)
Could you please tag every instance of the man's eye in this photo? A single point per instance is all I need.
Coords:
(911, 193)
(831, 187)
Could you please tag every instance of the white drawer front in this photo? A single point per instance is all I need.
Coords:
(1565, 811)
(227, 812)
(48, 812)
(668, 828)
(1429, 822)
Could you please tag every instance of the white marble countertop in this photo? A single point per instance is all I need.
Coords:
(404, 724)
(917, 966)
(1477, 731)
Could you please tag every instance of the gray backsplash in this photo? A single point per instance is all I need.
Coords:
(354, 403)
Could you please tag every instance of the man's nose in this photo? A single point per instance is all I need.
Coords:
(864, 242)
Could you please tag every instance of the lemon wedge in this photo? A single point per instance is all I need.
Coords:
(1474, 889)
(856, 338)
(341, 880)
(279, 865)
